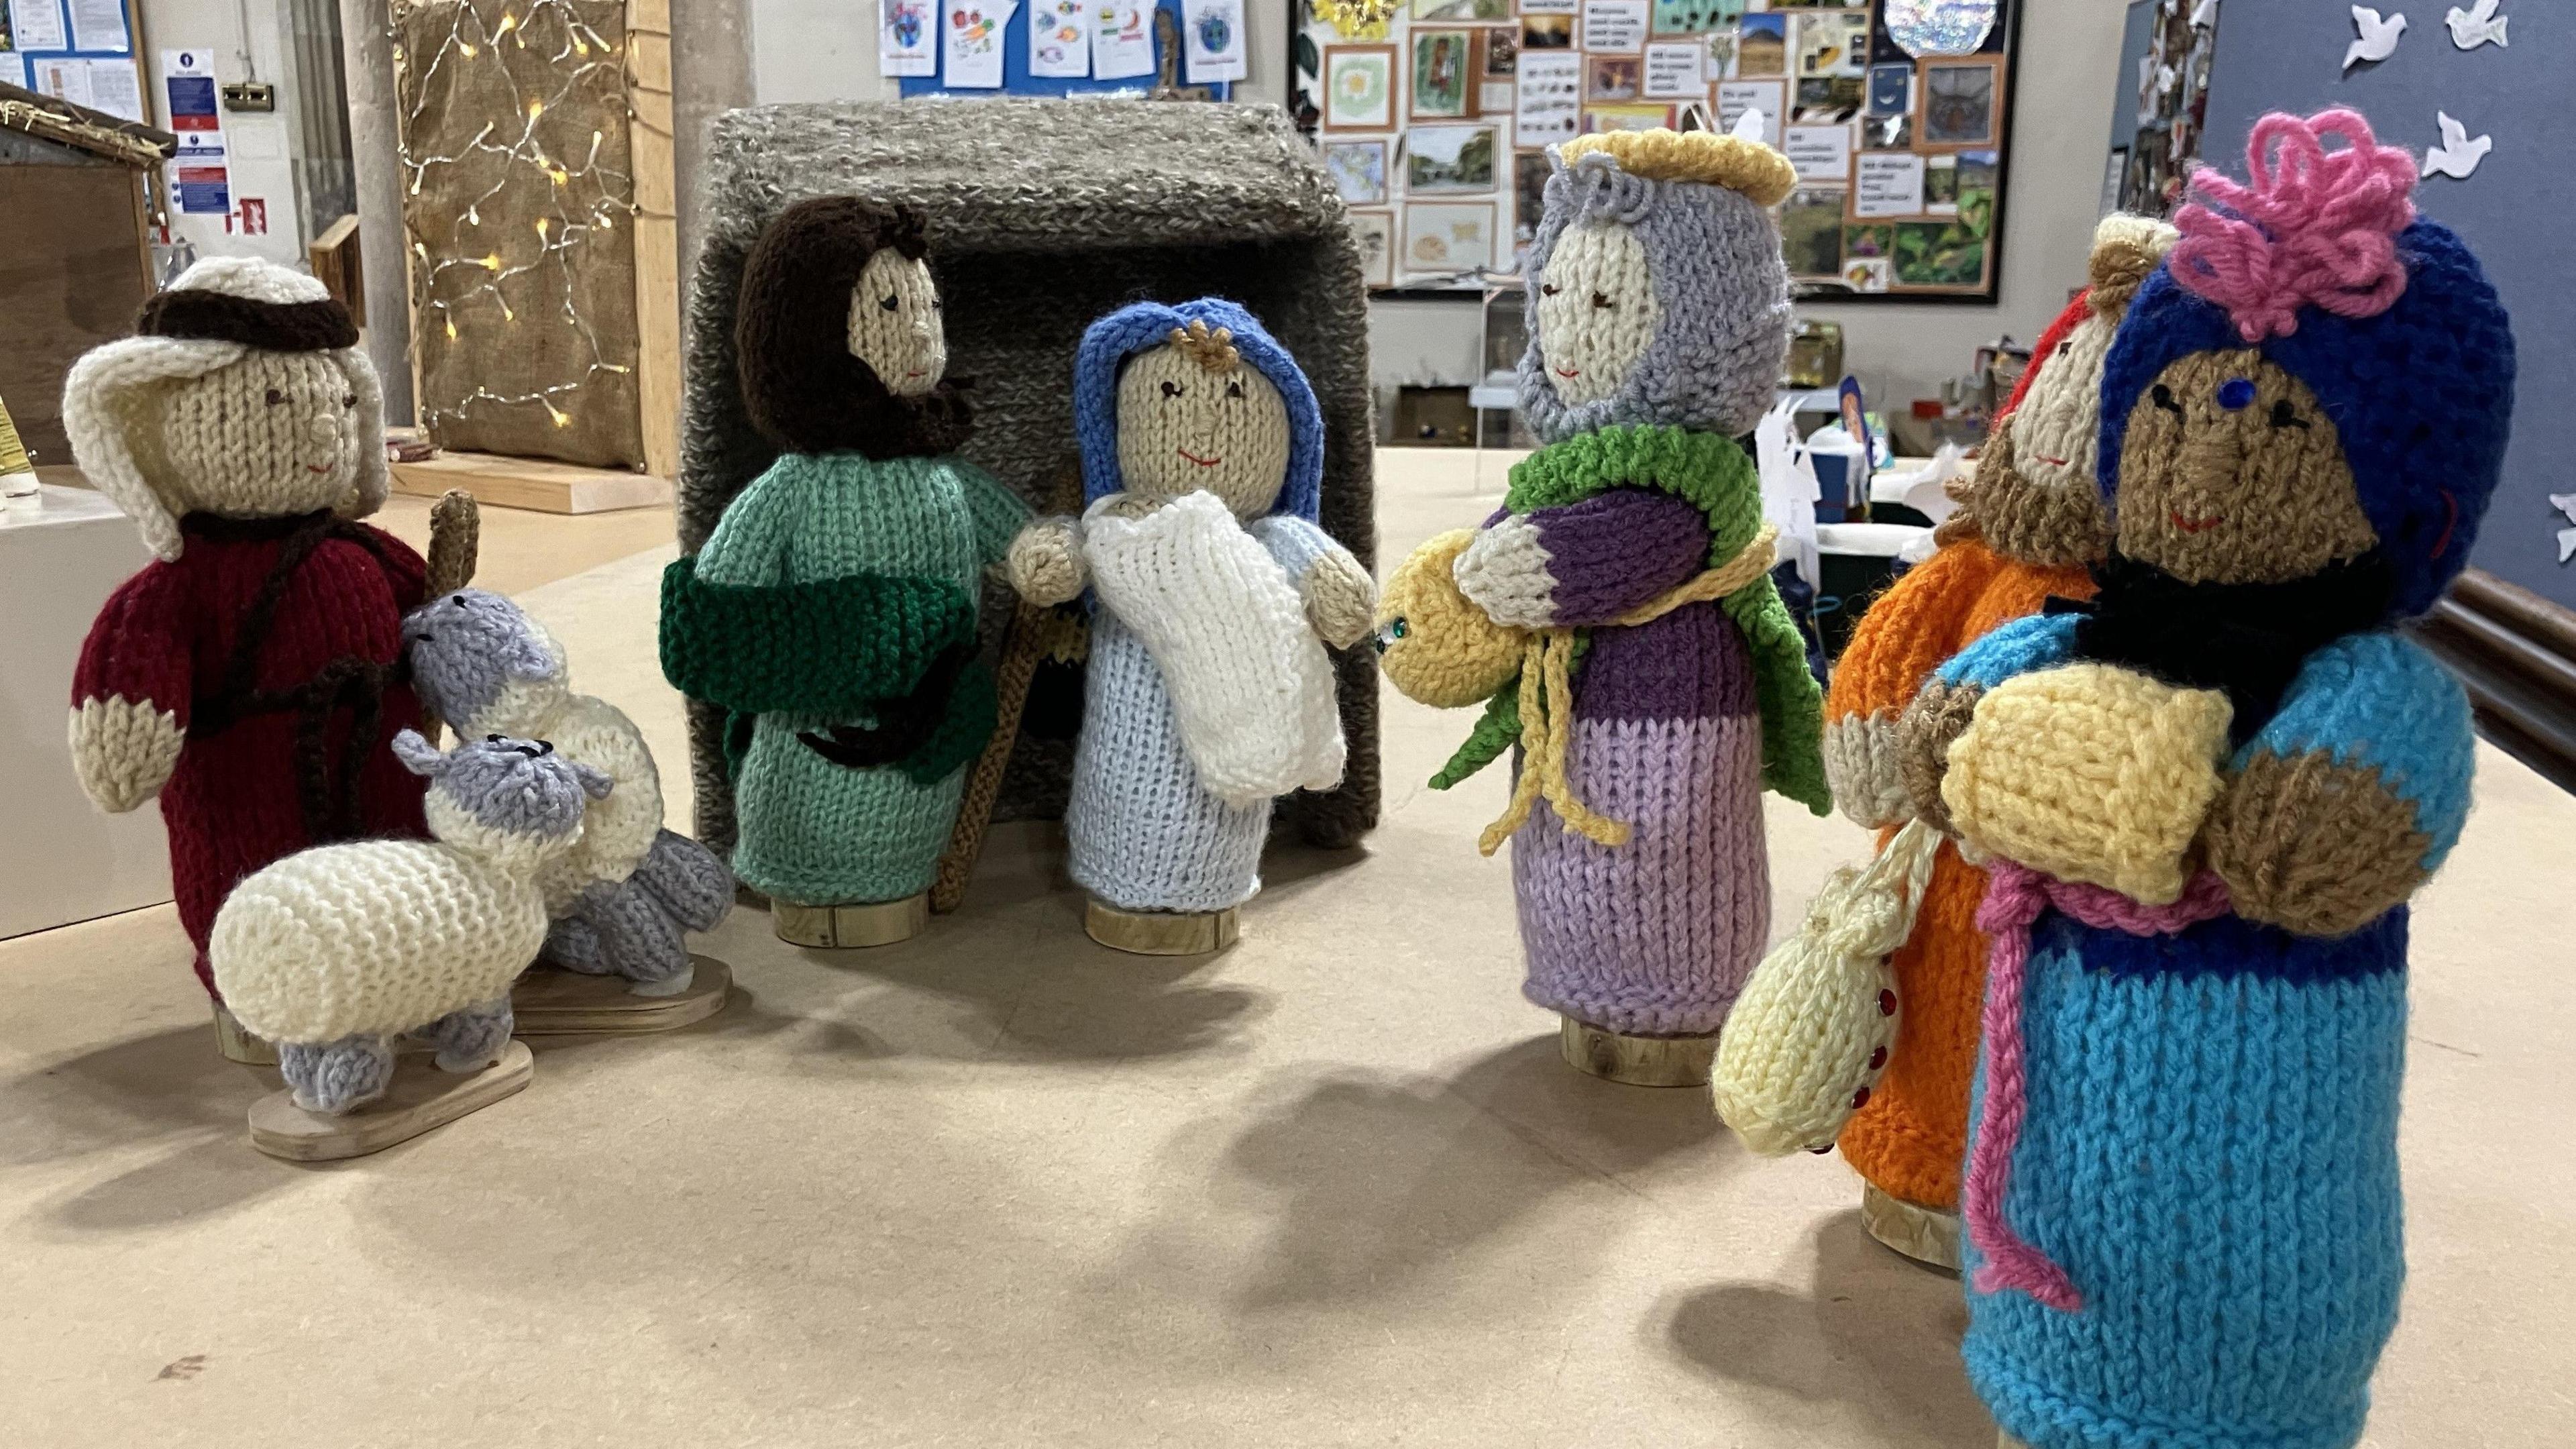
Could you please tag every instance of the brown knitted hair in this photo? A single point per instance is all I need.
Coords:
(202, 315)
(804, 390)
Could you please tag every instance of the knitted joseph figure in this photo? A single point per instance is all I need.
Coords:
(1666, 684)
(2209, 795)
(250, 674)
(1208, 691)
(2025, 530)
(833, 610)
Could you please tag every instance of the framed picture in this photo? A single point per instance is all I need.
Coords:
(1631, 117)
(1529, 194)
(1374, 231)
(1444, 66)
(1961, 100)
(1762, 45)
(1448, 237)
(1359, 88)
(1358, 169)
(1835, 44)
(1613, 77)
(1811, 231)
(1453, 11)
(1498, 52)
(1940, 255)
(1450, 159)
(1826, 100)
(1891, 90)
(1547, 32)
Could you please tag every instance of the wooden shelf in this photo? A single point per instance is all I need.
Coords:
(532, 483)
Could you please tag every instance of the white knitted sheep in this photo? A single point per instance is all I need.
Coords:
(625, 896)
(334, 951)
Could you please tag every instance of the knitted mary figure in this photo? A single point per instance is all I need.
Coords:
(250, 674)
(1662, 684)
(833, 610)
(1208, 690)
(2208, 795)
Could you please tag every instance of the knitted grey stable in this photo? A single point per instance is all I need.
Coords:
(1044, 215)
(1713, 259)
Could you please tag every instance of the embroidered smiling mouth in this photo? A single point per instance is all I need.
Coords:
(2052, 462)
(1565, 372)
(317, 467)
(1195, 458)
(2195, 525)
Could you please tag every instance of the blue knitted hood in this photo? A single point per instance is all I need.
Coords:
(1109, 342)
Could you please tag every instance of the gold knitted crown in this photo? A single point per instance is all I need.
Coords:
(1211, 350)
(1711, 157)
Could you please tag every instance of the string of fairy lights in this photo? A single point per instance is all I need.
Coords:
(580, 200)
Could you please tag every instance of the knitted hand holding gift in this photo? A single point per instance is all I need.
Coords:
(623, 896)
(333, 952)
(248, 675)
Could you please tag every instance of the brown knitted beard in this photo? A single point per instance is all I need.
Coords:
(2034, 523)
(803, 389)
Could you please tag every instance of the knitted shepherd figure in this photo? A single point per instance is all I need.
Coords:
(1633, 545)
(2209, 795)
(251, 675)
(2026, 528)
(833, 610)
(1208, 691)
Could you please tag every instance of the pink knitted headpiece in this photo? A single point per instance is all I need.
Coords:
(2315, 227)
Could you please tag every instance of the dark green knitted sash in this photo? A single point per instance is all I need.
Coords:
(827, 648)
(1713, 475)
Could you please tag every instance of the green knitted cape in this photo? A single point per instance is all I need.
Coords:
(1714, 475)
(831, 647)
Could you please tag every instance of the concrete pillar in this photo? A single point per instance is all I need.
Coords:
(710, 72)
(375, 153)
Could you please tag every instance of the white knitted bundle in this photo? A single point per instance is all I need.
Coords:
(1251, 687)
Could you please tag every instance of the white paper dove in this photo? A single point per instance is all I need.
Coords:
(2565, 503)
(1749, 126)
(2459, 153)
(2378, 37)
(2205, 14)
(2473, 28)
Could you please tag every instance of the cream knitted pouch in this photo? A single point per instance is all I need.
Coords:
(1251, 687)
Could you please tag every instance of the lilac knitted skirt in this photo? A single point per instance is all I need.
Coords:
(1655, 937)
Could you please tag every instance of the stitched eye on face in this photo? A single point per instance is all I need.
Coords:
(1234, 389)
(1601, 299)
(2286, 416)
(348, 399)
(1171, 389)
(1548, 289)
(2065, 345)
(275, 397)
(2162, 396)
(889, 302)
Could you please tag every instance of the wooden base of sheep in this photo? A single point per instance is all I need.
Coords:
(237, 1043)
(837, 928)
(548, 1002)
(1636, 1061)
(421, 1099)
(1159, 933)
(1927, 1235)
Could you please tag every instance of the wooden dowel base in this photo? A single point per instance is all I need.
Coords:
(843, 928)
(550, 1002)
(237, 1044)
(1159, 933)
(421, 1099)
(1927, 1235)
(1637, 1061)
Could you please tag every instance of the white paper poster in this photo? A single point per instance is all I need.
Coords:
(1549, 107)
(907, 38)
(36, 25)
(1734, 98)
(971, 44)
(1212, 41)
(1673, 70)
(1060, 38)
(13, 69)
(115, 88)
(66, 80)
(1890, 184)
(99, 25)
(1550, 7)
(1122, 39)
(1821, 153)
(1614, 27)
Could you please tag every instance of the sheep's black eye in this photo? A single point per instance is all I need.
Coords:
(1171, 389)
(1234, 389)
(2163, 397)
(889, 302)
(348, 399)
(491, 739)
(1600, 299)
(275, 397)
(2286, 416)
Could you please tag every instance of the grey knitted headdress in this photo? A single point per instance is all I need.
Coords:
(1698, 204)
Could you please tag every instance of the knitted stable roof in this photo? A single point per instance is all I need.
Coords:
(1043, 216)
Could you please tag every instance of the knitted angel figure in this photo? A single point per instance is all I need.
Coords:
(334, 952)
(2208, 795)
(1208, 690)
(2026, 528)
(250, 676)
(624, 897)
(1664, 684)
(833, 610)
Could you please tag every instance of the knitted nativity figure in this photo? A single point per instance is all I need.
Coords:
(624, 896)
(251, 674)
(1208, 690)
(2208, 796)
(833, 611)
(1633, 548)
(2026, 528)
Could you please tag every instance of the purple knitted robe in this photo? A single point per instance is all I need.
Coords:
(1655, 937)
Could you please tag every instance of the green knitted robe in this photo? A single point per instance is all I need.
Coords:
(834, 588)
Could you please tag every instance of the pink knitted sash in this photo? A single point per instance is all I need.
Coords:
(2015, 895)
